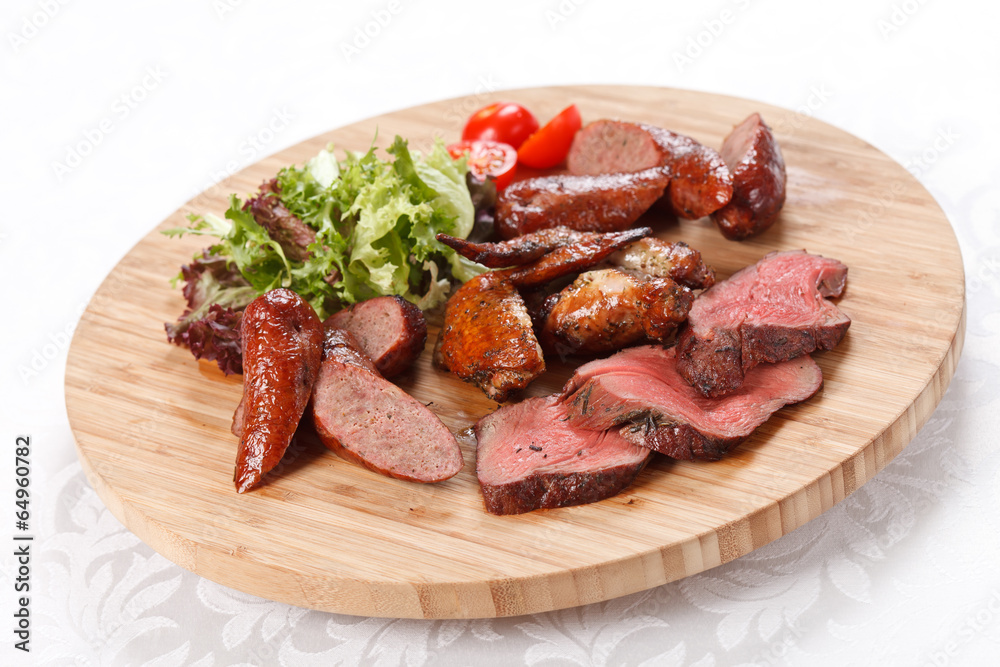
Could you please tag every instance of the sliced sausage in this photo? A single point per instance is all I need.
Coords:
(366, 419)
(700, 180)
(593, 203)
(391, 331)
(758, 168)
(282, 345)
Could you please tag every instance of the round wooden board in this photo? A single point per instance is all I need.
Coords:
(152, 424)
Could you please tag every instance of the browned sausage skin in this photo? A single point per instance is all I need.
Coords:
(592, 203)
(282, 346)
(754, 157)
(700, 180)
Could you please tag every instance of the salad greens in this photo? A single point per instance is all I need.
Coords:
(374, 223)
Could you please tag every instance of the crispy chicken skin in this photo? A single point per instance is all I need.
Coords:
(610, 309)
(518, 250)
(656, 257)
(282, 348)
(487, 338)
(572, 258)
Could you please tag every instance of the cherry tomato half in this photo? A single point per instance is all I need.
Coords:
(506, 122)
(490, 159)
(549, 146)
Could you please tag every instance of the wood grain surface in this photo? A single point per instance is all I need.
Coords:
(152, 424)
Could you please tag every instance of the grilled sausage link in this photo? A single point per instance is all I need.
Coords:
(282, 346)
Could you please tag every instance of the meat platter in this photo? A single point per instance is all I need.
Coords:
(152, 424)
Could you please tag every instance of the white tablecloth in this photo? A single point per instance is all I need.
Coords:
(116, 113)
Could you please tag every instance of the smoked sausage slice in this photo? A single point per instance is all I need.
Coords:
(390, 330)
(366, 419)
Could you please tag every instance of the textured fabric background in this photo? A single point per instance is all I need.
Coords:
(173, 96)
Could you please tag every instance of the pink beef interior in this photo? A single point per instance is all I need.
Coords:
(784, 289)
(653, 384)
(532, 438)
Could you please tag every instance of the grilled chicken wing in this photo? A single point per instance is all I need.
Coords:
(664, 259)
(487, 338)
(518, 250)
(610, 309)
(572, 258)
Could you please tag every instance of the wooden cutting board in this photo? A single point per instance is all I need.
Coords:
(152, 424)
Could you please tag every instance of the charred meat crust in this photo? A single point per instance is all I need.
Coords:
(516, 251)
(572, 257)
(782, 314)
(528, 458)
(552, 490)
(282, 341)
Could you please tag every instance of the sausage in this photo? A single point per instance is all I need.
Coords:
(593, 203)
(700, 180)
(366, 419)
(758, 168)
(390, 330)
(282, 346)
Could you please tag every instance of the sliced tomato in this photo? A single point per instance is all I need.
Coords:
(488, 159)
(506, 122)
(549, 146)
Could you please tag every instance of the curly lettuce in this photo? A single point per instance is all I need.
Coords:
(375, 223)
